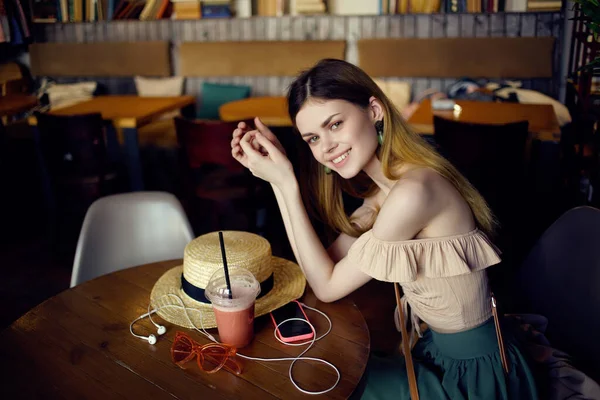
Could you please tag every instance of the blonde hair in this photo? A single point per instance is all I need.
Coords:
(336, 79)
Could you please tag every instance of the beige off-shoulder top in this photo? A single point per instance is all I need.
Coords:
(443, 279)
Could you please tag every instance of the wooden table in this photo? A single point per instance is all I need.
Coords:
(543, 124)
(16, 103)
(77, 345)
(271, 110)
(128, 113)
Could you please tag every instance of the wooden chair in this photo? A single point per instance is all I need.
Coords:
(215, 182)
(491, 157)
(74, 154)
(14, 79)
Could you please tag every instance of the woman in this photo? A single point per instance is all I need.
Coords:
(421, 224)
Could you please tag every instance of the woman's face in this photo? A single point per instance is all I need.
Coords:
(340, 135)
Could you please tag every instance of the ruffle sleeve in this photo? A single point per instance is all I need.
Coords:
(403, 261)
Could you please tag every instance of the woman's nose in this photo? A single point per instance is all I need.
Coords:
(328, 145)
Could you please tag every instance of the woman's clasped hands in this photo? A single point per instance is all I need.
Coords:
(261, 152)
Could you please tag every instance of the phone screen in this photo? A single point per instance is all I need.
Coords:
(291, 328)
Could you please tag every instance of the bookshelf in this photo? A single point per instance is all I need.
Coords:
(88, 11)
(350, 29)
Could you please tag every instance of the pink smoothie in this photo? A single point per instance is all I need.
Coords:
(236, 324)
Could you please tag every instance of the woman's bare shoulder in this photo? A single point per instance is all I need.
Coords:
(375, 200)
(428, 179)
(421, 203)
(450, 213)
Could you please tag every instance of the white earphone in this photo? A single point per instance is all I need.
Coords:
(160, 329)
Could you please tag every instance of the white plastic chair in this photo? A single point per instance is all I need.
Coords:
(130, 229)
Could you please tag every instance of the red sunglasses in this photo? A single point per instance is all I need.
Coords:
(210, 357)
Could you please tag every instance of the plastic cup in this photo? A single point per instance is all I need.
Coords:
(235, 316)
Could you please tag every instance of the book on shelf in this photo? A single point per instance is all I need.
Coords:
(148, 10)
(44, 11)
(365, 7)
(270, 8)
(242, 8)
(544, 5)
(308, 7)
(215, 10)
(186, 9)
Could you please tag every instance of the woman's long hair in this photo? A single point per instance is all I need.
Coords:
(332, 79)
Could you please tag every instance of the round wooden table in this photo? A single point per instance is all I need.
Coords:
(271, 110)
(77, 345)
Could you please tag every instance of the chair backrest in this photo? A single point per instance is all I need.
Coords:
(207, 143)
(560, 279)
(13, 78)
(491, 157)
(130, 229)
(214, 95)
(73, 144)
(475, 146)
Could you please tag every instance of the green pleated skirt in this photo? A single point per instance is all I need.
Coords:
(456, 366)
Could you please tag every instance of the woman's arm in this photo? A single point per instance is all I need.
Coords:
(328, 280)
(340, 246)
(363, 216)
(408, 209)
(331, 281)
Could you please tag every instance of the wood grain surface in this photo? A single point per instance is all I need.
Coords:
(125, 111)
(101, 59)
(77, 345)
(255, 58)
(271, 110)
(543, 124)
(475, 57)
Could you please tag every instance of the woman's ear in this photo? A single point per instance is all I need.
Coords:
(375, 109)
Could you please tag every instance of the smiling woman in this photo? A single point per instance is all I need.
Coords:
(421, 225)
(341, 131)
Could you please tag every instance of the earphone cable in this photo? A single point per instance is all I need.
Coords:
(293, 360)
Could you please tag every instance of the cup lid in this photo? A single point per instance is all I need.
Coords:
(245, 287)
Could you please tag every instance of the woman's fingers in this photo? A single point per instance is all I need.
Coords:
(262, 128)
(271, 149)
(268, 134)
(247, 144)
(238, 132)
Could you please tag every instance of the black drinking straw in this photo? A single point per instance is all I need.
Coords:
(225, 264)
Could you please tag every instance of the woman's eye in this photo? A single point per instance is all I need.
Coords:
(335, 125)
(313, 139)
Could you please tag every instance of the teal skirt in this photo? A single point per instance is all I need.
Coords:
(464, 365)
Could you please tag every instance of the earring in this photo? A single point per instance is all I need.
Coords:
(379, 129)
(327, 170)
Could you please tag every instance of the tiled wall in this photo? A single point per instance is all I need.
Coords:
(312, 28)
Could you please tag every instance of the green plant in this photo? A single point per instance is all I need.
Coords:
(590, 10)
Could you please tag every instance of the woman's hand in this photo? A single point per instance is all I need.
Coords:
(236, 150)
(268, 163)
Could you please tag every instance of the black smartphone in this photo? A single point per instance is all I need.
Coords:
(291, 331)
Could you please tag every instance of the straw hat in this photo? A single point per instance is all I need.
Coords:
(281, 280)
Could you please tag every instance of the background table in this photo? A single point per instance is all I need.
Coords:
(271, 110)
(77, 345)
(128, 113)
(16, 103)
(543, 124)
